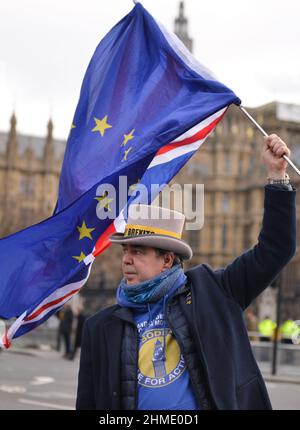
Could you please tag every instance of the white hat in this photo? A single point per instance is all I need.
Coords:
(156, 227)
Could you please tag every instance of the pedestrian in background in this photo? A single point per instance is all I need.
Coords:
(251, 321)
(78, 333)
(66, 328)
(59, 315)
(287, 329)
(266, 328)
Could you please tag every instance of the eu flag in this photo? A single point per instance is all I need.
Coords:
(145, 103)
(142, 89)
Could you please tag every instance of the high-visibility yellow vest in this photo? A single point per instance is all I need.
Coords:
(288, 328)
(266, 327)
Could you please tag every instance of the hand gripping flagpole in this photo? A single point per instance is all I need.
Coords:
(263, 132)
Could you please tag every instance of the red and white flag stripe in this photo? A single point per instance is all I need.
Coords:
(189, 141)
(54, 301)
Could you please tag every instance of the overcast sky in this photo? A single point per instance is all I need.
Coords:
(45, 46)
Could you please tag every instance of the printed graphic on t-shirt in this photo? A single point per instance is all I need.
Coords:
(154, 371)
(163, 378)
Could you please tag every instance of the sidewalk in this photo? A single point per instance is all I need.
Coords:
(286, 374)
(43, 352)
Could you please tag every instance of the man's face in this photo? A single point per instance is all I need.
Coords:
(140, 263)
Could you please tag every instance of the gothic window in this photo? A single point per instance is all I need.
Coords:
(27, 185)
(240, 166)
(225, 204)
(26, 215)
(213, 202)
(247, 202)
(227, 163)
(229, 124)
(224, 236)
(252, 163)
(247, 236)
(235, 129)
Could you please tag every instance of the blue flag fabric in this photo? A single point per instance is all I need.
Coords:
(145, 103)
(139, 93)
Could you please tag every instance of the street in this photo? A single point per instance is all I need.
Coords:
(284, 396)
(37, 382)
(46, 381)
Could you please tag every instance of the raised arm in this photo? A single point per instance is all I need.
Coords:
(249, 274)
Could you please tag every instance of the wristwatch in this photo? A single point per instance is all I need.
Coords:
(284, 181)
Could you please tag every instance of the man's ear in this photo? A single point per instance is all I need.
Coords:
(168, 260)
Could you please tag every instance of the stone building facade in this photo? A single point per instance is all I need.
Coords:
(29, 174)
(228, 164)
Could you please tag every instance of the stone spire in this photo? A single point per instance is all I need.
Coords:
(49, 147)
(12, 144)
(50, 129)
(181, 28)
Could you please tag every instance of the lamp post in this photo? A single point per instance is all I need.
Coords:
(278, 284)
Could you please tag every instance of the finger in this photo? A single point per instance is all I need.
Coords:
(279, 149)
(277, 146)
(283, 150)
(269, 142)
(273, 140)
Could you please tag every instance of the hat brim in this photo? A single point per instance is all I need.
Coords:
(160, 241)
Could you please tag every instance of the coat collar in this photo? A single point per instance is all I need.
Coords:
(125, 314)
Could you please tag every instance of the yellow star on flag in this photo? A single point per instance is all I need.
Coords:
(101, 125)
(126, 153)
(133, 186)
(80, 257)
(104, 201)
(73, 126)
(84, 231)
(128, 137)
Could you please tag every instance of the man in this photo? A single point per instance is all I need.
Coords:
(177, 340)
(266, 328)
(251, 323)
(66, 328)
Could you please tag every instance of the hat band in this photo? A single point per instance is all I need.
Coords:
(136, 230)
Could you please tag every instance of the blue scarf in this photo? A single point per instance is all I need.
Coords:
(151, 290)
(140, 296)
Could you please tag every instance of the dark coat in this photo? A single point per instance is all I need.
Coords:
(216, 320)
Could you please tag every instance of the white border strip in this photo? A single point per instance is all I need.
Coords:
(206, 122)
(60, 292)
(186, 56)
(56, 295)
(175, 153)
(184, 149)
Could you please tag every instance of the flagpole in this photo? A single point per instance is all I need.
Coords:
(263, 132)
